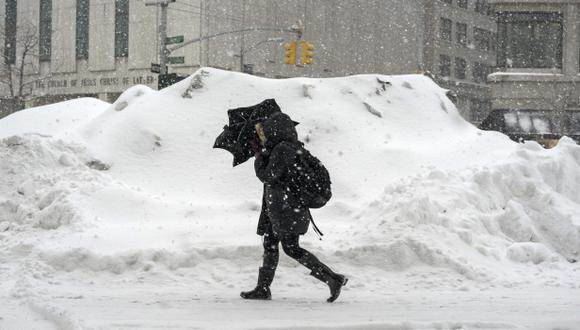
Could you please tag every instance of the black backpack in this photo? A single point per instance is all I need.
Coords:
(311, 180)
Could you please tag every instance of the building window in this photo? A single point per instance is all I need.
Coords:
(444, 66)
(460, 68)
(483, 39)
(447, 1)
(482, 7)
(571, 124)
(461, 34)
(445, 29)
(82, 29)
(121, 28)
(530, 40)
(480, 72)
(45, 31)
(480, 108)
(10, 32)
(462, 3)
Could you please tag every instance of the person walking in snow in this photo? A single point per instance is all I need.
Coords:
(283, 217)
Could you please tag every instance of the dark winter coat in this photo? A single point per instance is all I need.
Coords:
(274, 166)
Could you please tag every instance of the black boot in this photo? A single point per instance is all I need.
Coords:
(262, 290)
(334, 281)
(320, 271)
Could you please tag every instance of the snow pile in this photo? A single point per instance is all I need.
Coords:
(39, 176)
(52, 119)
(455, 197)
(475, 221)
(362, 127)
(419, 195)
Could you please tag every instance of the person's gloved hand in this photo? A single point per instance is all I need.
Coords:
(256, 148)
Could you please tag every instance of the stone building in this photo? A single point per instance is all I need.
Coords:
(460, 49)
(92, 48)
(100, 47)
(536, 92)
(454, 40)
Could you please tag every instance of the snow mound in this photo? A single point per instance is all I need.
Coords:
(54, 119)
(362, 127)
(415, 187)
(129, 96)
(144, 260)
(39, 176)
(474, 219)
(529, 252)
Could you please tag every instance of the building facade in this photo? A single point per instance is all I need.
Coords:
(100, 47)
(94, 48)
(536, 91)
(461, 52)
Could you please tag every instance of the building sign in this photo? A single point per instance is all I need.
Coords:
(75, 83)
(176, 60)
(174, 40)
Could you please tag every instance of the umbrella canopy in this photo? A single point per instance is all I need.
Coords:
(241, 131)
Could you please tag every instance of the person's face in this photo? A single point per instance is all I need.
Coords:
(260, 131)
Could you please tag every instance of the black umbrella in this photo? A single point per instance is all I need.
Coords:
(239, 134)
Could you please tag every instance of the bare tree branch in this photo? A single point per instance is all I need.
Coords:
(14, 75)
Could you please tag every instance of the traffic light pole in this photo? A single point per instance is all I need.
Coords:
(211, 36)
(163, 52)
(295, 30)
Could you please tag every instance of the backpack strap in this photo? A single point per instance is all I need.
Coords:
(316, 230)
(295, 146)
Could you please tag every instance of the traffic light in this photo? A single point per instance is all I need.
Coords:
(307, 56)
(290, 52)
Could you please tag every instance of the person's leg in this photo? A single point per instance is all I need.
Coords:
(268, 269)
(271, 253)
(335, 282)
(291, 246)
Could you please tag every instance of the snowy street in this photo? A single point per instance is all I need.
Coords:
(189, 304)
(198, 299)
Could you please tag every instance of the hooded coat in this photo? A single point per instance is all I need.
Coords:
(281, 208)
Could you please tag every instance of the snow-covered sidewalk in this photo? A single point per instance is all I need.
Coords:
(188, 302)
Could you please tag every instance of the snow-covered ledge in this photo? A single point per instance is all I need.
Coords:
(534, 91)
(532, 76)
